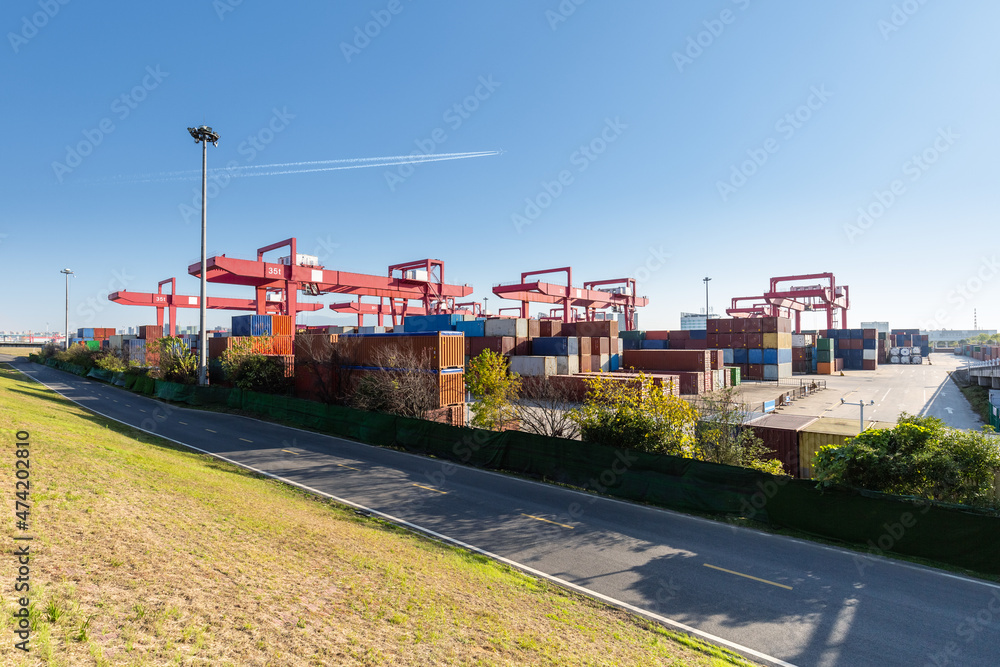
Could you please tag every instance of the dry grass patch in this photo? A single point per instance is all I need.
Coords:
(150, 555)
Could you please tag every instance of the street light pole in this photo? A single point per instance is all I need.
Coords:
(705, 280)
(862, 405)
(203, 135)
(66, 339)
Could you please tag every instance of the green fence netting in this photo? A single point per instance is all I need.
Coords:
(877, 522)
(101, 374)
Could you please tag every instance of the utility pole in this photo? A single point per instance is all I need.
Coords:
(203, 135)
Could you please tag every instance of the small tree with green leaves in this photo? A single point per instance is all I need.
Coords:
(637, 414)
(494, 389)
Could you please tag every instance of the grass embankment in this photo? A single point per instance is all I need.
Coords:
(146, 554)
(977, 396)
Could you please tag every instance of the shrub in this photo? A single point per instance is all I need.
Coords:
(494, 389)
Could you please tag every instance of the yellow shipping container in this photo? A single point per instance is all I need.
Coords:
(771, 341)
(784, 340)
(822, 432)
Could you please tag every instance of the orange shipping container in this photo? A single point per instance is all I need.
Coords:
(282, 325)
(450, 384)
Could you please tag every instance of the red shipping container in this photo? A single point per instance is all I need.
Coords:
(718, 360)
(725, 326)
(666, 360)
(599, 329)
(692, 383)
(738, 325)
(869, 364)
(755, 372)
(522, 346)
(738, 340)
(600, 345)
(780, 435)
(755, 341)
(550, 328)
(725, 340)
(499, 344)
(658, 335)
(752, 325)
(679, 335)
(711, 340)
(869, 334)
(695, 344)
(534, 329)
(712, 326)
(769, 325)
(585, 362)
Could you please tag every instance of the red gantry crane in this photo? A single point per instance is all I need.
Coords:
(618, 294)
(783, 299)
(172, 301)
(421, 281)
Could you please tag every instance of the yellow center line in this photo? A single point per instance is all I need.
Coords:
(245, 440)
(289, 451)
(538, 518)
(430, 489)
(210, 430)
(141, 410)
(740, 574)
(183, 423)
(347, 466)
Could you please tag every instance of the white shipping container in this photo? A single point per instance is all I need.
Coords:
(606, 363)
(532, 366)
(415, 274)
(567, 365)
(869, 355)
(516, 327)
(798, 340)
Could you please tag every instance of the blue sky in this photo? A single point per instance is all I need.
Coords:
(735, 138)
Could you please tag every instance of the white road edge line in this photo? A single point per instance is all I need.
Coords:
(739, 648)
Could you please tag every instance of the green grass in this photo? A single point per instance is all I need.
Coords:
(148, 554)
(979, 400)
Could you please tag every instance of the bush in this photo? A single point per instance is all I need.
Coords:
(404, 385)
(724, 438)
(251, 371)
(637, 415)
(919, 457)
(177, 362)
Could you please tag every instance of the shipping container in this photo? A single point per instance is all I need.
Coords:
(515, 327)
(472, 328)
(282, 325)
(437, 349)
(822, 432)
(780, 435)
(567, 365)
(598, 329)
(499, 344)
(549, 328)
(251, 325)
(557, 346)
(667, 360)
(533, 366)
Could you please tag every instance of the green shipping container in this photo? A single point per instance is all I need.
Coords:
(734, 375)
(824, 356)
(824, 344)
(93, 344)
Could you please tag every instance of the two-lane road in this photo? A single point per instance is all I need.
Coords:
(785, 601)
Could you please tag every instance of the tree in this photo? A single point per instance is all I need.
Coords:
(546, 408)
(636, 414)
(494, 389)
(919, 457)
(404, 384)
(724, 438)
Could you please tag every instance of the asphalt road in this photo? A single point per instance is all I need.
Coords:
(785, 601)
(924, 389)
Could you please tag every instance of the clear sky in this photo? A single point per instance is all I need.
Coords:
(736, 139)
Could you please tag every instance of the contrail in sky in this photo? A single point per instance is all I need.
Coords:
(240, 171)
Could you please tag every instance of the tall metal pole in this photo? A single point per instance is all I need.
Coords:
(203, 337)
(705, 280)
(203, 135)
(66, 338)
(862, 405)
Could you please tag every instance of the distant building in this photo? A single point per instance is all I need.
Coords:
(881, 327)
(693, 321)
(956, 334)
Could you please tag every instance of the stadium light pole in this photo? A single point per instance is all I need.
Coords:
(705, 280)
(203, 135)
(66, 339)
(862, 405)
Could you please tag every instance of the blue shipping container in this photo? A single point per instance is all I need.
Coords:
(785, 355)
(755, 356)
(770, 356)
(555, 347)
(740, 356)
(616, 361)
(426, 323)
(870, 344)
(476, 328)
(251, 325)
(651, 344)
(727, 356)
(699, 334)
(631, 344)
